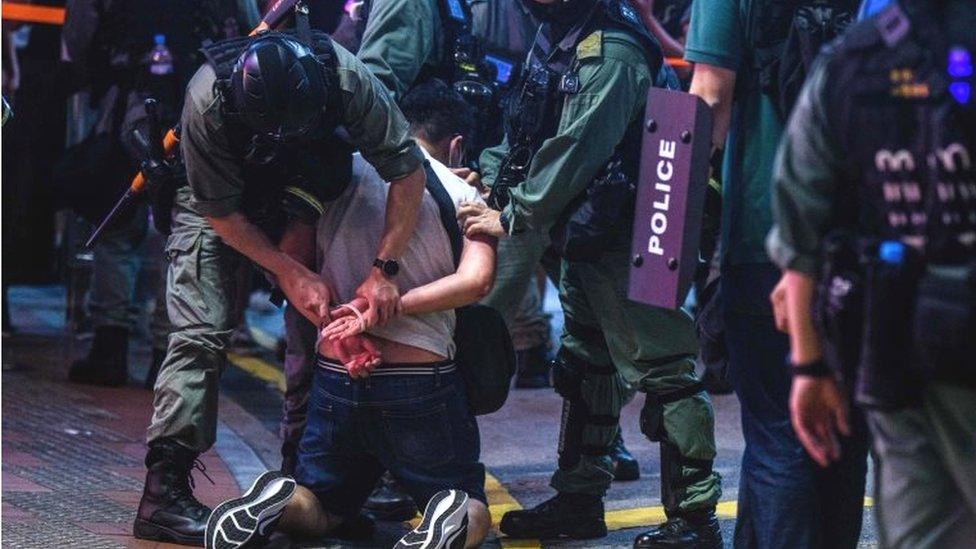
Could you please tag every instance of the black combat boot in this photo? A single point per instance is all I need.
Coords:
(289, 457)
(625, 466)
(533, 368)
(690, 530)
(168, 511)
(578, 516)
(107, 362)
(389, 502)
(158, 356)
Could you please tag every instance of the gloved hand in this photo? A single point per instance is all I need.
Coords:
(162, 180)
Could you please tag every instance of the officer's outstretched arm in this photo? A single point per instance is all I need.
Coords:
(305, 290)
(613, 90)
(402, 205)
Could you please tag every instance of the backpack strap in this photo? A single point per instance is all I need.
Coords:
(445, 207)
(302, 27)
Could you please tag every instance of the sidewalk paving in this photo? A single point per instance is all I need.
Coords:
(72, 455)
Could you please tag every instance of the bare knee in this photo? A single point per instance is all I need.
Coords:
(479, 522)
(304, 515)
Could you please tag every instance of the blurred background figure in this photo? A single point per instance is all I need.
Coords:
(119, 53)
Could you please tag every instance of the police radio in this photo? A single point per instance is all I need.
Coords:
(670, 197)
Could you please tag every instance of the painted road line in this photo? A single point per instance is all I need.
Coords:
(500, 501)
(260, 369)
(621, 519)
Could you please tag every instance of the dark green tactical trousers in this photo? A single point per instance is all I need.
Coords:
(651, 349)
(201, 290)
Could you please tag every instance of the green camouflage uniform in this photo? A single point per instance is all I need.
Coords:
(651, 348)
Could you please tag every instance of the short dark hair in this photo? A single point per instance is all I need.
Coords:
(437, 112)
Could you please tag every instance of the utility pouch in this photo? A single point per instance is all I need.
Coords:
(889, 377)
(945, 324)
(838, 305)
(163, 197)
(597, 219)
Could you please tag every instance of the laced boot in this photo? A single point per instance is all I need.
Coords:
(168, 511)
(625, 466)
(107, 362)
(689, 530)
(389, 502)
(578, 516)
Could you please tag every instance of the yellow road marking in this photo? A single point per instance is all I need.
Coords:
(260, 369)
(500, 501)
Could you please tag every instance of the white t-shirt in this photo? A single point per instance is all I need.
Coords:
(349, 234)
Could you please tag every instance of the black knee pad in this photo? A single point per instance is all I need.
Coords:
(567, 374)
(652, 419)
(652, 414)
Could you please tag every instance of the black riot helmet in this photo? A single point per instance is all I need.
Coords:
(561, 13)
(278, 87)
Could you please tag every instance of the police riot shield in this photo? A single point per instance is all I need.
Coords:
(670, 197)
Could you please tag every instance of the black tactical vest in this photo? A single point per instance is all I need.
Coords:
(900, 311)
(549, 75)
(319, 166)
(910, 146)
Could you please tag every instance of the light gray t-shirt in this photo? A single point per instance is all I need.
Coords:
(349, 234)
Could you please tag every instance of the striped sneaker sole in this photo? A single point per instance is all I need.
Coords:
(251, 517)
(444, 526)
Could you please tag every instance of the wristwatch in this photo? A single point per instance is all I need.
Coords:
(390, 267)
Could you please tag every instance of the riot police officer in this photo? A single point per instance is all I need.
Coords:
(572, 147)
(261, 160)
(875, 228)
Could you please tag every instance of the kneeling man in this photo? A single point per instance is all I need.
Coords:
(387, 398)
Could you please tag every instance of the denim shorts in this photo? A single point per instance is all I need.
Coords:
(417, 426)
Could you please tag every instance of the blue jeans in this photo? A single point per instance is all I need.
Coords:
(418, 427)
(785, 499)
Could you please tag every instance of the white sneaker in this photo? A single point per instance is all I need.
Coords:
(250, 518)
(444, 526)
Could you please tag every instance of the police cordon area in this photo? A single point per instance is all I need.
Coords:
(444, 274)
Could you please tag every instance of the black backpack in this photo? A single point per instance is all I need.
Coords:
(485, 355)
(788, 36)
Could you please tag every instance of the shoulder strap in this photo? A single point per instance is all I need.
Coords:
(445, 206)
(621, 15)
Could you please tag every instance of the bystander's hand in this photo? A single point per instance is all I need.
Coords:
(478, 219)
(383, 298)
(819, 413)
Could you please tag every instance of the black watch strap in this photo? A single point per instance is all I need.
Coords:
(390, 267)
(817, 368)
